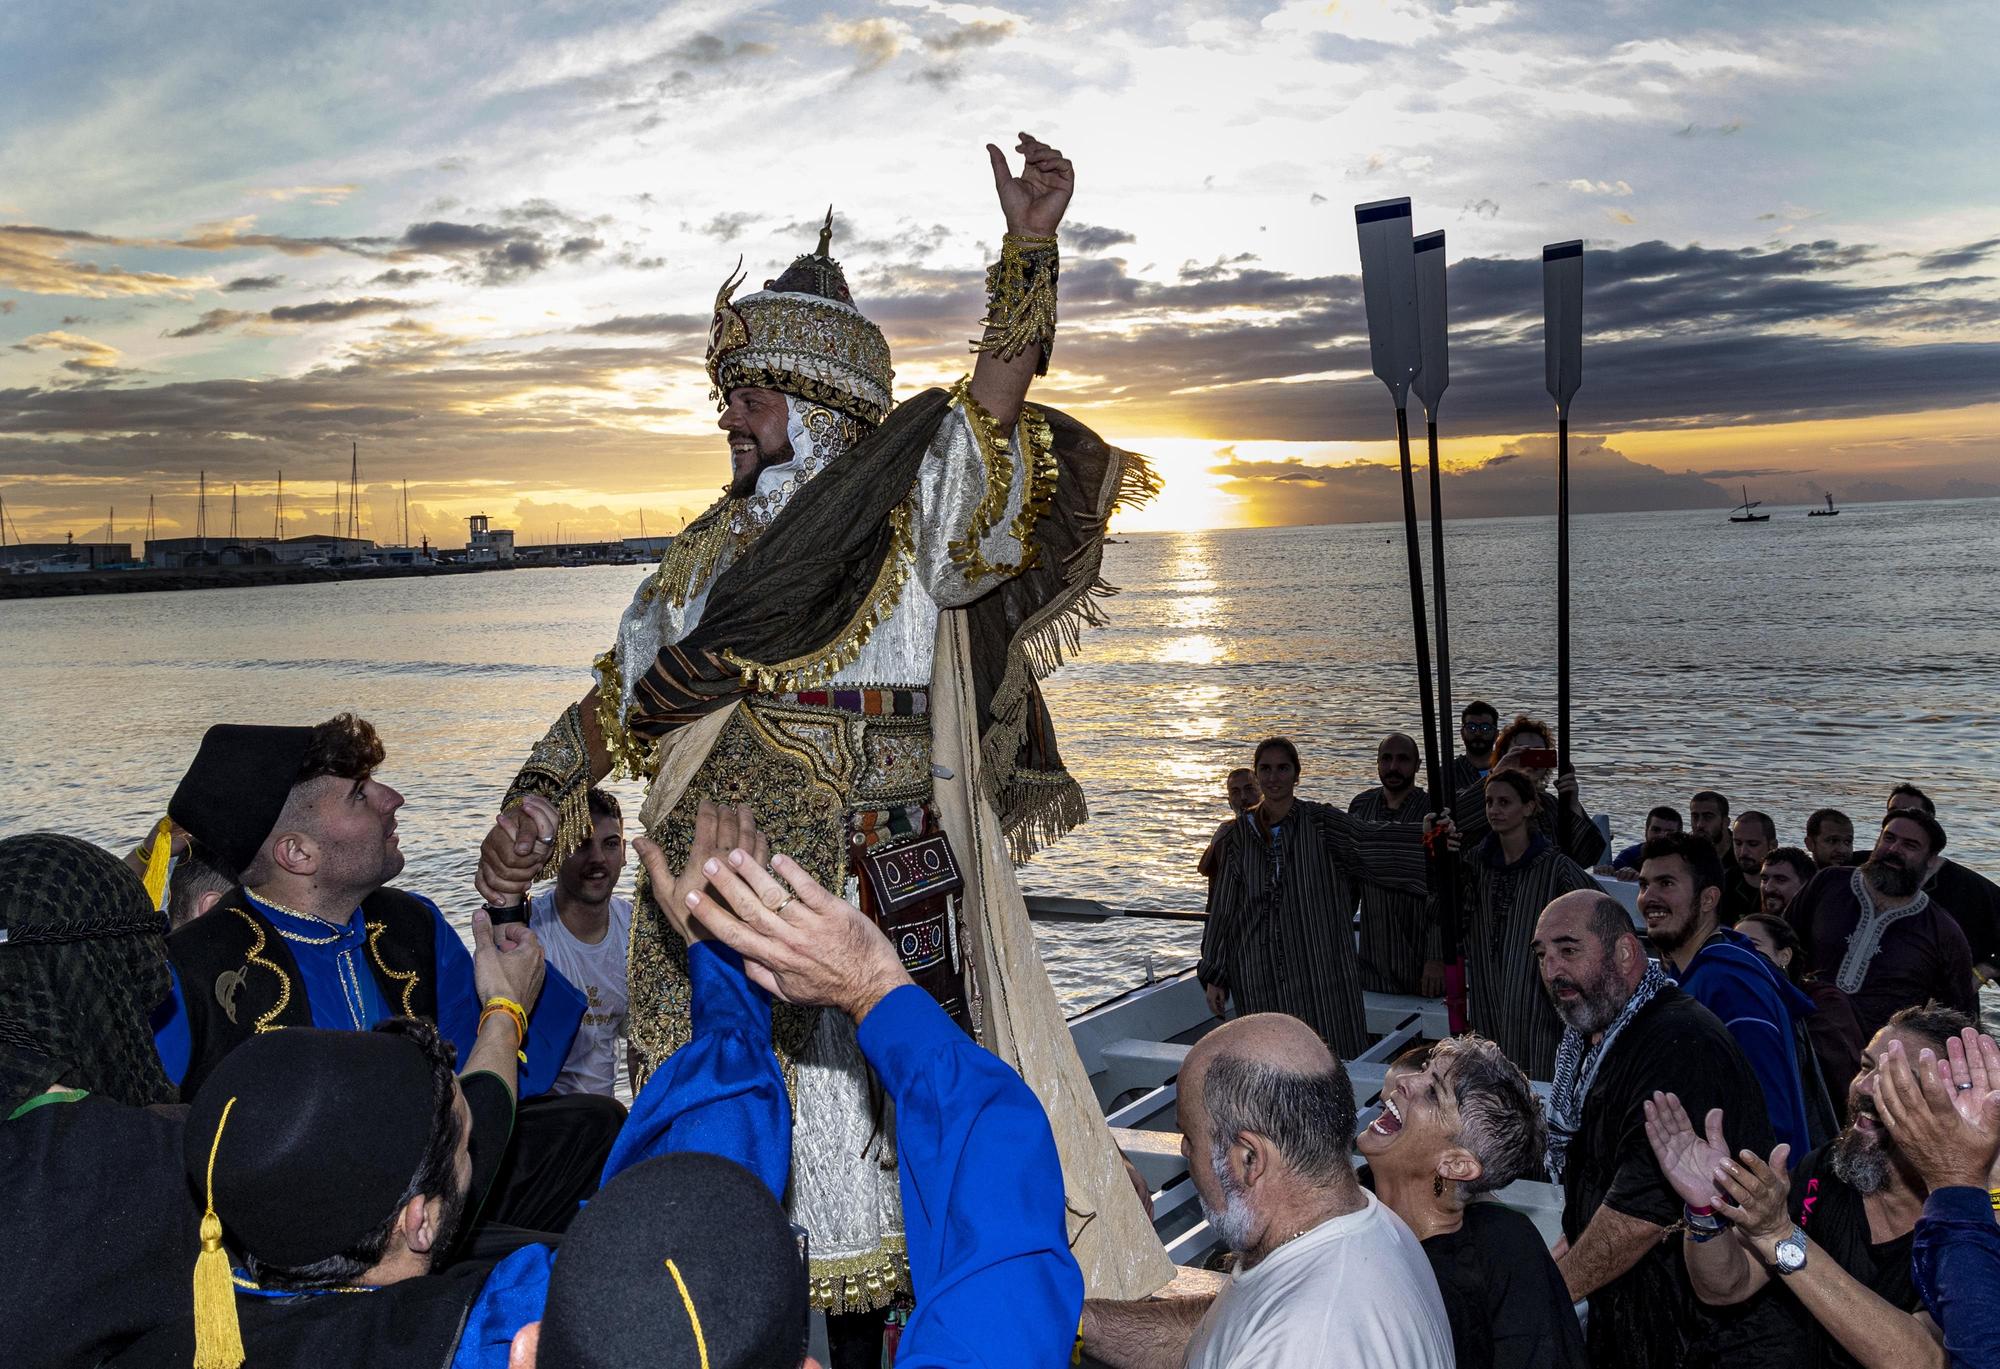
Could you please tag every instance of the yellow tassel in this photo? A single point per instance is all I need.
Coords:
(218, 1340)
(159, 861)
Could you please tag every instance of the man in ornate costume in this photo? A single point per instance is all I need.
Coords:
(848, 641)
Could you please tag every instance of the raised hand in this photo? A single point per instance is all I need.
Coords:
(719, 828)
(808, 947)
(507, 961)
(1974, 1060)
(1760, 1191)
(1035, 200)
(514, 851)
(1922, 1111)
(1689, 1160)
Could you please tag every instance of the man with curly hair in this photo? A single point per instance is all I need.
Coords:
(312, 936)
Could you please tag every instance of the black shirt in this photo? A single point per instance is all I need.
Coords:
(1974, 903)
(1508, 1305)
(1648, 1317)
(1834, 1216)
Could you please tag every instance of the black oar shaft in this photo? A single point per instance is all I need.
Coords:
(1445, 799)
(1562, 594)
(1420, 627)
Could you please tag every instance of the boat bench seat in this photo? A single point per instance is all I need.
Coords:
(1130, 1063)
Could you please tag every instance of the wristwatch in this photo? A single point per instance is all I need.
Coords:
(1791, 1252)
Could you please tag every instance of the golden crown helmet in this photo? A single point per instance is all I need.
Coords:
(801, 335)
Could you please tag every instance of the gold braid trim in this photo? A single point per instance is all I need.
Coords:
(785, 381)
(994, 451)
(813, 670)
(558, 768)
(628, 753)
(407, 978)
(1021, 300)
(1038, 444)
(861, 1283)
(692, 556)
(255, 956)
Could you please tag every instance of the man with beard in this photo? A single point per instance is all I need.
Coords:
(1680, 885)
(1785, 874)
(1876, 935)
(1834, 1230)
(1326, 1274)
(1241, 789)
(1630, 1032)
(1394, 924)
(584, 928)
(1830, 838)
(1972, 899)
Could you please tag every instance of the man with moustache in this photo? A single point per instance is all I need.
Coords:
(1395, 927)
(1829, 838)
(1786, 872)
(1631, 1033)
(1241, 790)
(1326, 1274)
(1875, 934)
(1833, 1231)
(1680, 887)
(1972, 899)
(584, 928)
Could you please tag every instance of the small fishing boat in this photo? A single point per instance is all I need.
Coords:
(1828, 512)
(1748, 504)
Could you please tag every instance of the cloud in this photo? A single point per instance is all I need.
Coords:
(338, 311)
(398, 276)
(491, 254)
(646, 325)
(875, 42)
(1480, 209)
(7, 306)
(242, 283)
(213, 321)
(37, 260)
(1585, 186)
(1960, 258)
(326, 196)
(1086, 237)
(980, 33)
(87, 353)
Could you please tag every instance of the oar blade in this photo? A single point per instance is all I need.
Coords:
(1562, 319)
(1389, 288)
(1435, 374)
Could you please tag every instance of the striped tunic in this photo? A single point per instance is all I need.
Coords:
(1499, 906)
(1394, 923)
(1280, 914)
(1586, 845)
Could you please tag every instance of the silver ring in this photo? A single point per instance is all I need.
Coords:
(543, 841)
(789, 900)
(1964, 1086)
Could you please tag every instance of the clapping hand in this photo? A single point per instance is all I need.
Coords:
(719, 828)
(1760, 1189)
(1945, 1116)
(1033, 201)
(1689, 1160)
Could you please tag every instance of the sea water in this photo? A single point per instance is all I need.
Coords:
(1792, 664)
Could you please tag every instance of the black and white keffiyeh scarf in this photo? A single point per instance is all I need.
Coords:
(1576, 1069)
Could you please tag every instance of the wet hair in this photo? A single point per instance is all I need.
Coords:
(1801, 863)
(1308, 1116)
(1763, 820)
(1523, 723)
(1283, 744)
(1703, 862)
(1714, 796)
(603, 805)
(1667, 810)
(1933, 829)
(1480, 708)
(436, 1176)
(1910, 791)
(196, 872)
(1933, 1021)
(1518, 782)
(1821, 817)
(1499, 1119)
(343, 746)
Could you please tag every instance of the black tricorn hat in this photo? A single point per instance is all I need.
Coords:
(321, 1133)
(232, 794)
(683, 1260)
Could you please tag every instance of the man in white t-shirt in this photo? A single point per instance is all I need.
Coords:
(1325, 1274)
(584, 929)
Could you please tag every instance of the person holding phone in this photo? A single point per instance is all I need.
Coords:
(1530, 744)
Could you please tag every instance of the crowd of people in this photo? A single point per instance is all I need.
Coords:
(264, 1108)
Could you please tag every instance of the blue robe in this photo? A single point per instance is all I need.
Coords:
(1759, 1007)
(343, 996)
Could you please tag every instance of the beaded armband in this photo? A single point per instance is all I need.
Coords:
(1021, 300)
(558, 768)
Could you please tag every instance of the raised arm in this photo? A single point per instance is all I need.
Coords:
(1021, 287)
(545, 814)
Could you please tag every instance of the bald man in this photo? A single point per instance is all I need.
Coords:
(1397, 954)
(1325, 1274)
(1630, 1032)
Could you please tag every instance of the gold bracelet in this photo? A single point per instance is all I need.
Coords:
(1021, 300)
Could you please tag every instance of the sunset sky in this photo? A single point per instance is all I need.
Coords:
(482, 240)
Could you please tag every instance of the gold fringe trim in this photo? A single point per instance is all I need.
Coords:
(735, 376)
(1039, 819)
(1039, 447)
(861, 1283)
(628, 753)
(692, 556)
(812, 671)
(1021, 300)
(994, 448)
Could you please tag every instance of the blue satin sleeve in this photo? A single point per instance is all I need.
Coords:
(1955, 1258)
(983, 1206)
(512, 1296)
(552, 1022)
(171, 1037)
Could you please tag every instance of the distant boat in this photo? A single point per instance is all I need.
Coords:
(1828, 512)
(1748, 504)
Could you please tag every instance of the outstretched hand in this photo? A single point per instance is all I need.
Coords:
(719, 828)
(514, 851)
(1035, 200)
(808, 947)
(1950, 1134)
(1689, 1160)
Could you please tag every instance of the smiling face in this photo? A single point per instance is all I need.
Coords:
(1277, 774)
(1864, 1153)
(1902, 853)
(757, 421)
(592, 870)
(1779, 885)
(1833, 844)
(1677, 918)
(1419, 1123)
